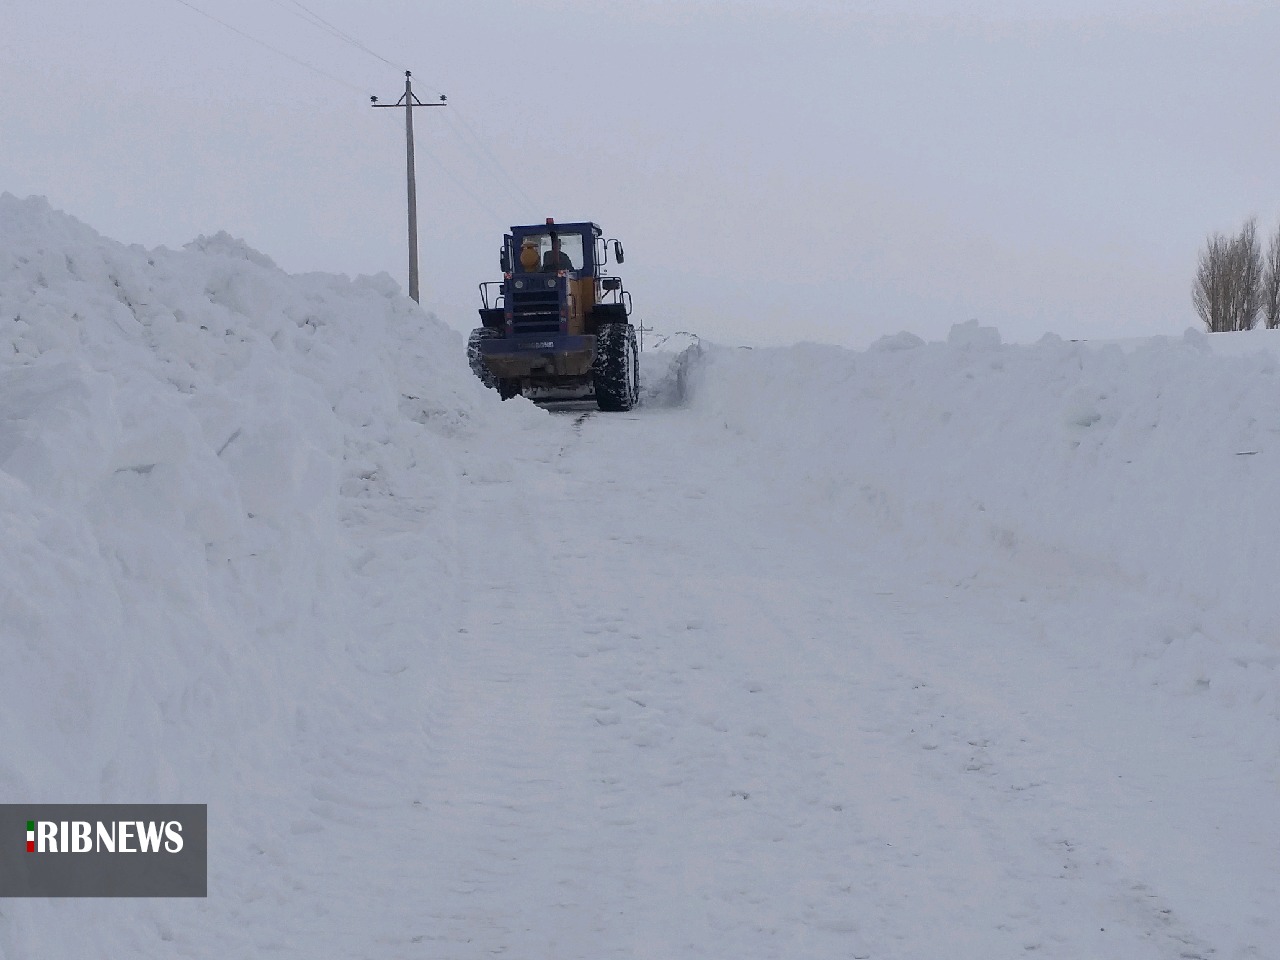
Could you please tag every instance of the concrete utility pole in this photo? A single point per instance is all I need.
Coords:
(409, 101)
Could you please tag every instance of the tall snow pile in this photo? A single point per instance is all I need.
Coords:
(202, 465)
(1157, 461)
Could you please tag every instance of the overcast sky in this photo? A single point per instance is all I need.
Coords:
(777, 171)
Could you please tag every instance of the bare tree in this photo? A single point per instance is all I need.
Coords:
(1248, 261)
(1209, 291)
(1271, 282)
(1228, 292)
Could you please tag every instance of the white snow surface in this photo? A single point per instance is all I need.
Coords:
(960, 649)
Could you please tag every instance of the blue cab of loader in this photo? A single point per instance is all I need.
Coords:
(557, 328)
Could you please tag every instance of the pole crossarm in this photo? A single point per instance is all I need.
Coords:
(416, 103)
(408, 101)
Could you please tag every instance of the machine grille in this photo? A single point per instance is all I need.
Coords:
(536, 311)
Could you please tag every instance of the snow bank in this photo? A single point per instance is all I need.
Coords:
(199, 457)
(665, 366)
(1157, 461)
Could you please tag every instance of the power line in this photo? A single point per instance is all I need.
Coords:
(305, 13)
(461, 186)
(310, 16)
(502, 175)
(486, 160)
(484, 147)
(275, 50)
(476, 163)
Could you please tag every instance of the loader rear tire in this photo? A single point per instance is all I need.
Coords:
(617, 367)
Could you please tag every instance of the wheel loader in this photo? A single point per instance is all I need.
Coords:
(558, 327)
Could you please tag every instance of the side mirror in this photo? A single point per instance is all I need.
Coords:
(504, 260)
(611, 283)
(617, 251)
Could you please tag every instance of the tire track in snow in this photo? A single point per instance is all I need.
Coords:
(522, 811)
(682, 727)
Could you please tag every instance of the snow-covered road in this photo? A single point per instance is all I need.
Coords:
(688, 717)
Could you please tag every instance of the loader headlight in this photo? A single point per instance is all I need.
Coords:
(550, 283)
(519, 284)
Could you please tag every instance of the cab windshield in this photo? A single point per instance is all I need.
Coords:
(537, 255)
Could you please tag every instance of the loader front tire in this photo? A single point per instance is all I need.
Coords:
(617, 367)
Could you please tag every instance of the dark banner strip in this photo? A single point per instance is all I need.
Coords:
(103, 850)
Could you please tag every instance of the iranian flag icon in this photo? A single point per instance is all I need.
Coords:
(31, 836)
